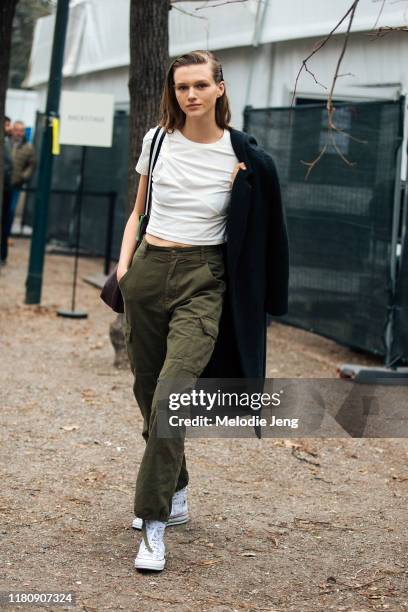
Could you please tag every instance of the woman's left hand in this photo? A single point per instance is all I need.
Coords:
(239, 166)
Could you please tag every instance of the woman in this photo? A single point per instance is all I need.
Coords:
(180, 319)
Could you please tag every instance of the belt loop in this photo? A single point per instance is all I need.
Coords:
(202, 253)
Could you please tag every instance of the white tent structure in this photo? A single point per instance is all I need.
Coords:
(261, 44)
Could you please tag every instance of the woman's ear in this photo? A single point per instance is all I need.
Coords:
(221, 89)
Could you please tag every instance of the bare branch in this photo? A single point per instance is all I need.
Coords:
(205, 19)
(345, 43)
(334, 144)
(314, 78)
(379, 14)
(321, 44)
(221, 3)
(177, 8)
(340, 131)
(314, 162)
(209, 5)
(387, 30)
(331, 127)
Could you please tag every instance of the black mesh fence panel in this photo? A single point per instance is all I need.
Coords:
(340, 218)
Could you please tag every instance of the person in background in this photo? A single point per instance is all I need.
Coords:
(7, 167)
(8, 128)
(23, 159)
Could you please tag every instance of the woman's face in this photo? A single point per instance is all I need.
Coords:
(196, 91)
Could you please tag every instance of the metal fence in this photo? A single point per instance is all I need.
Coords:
(349, 252)
(348, 281)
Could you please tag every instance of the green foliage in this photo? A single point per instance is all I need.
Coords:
(27, 13)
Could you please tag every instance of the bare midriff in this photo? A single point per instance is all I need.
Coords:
(161, 242)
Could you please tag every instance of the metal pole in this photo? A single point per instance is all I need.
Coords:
(73, 314)
(389, 330)
(39, 237)
(78, 225)
(109, 232)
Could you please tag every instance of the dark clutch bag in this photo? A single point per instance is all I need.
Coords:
(111, 293)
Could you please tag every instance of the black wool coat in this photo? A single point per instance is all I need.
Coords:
(256, 258)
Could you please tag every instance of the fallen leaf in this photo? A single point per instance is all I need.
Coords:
(209, 562)
(70, 427)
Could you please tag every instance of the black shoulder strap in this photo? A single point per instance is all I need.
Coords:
(154, 154)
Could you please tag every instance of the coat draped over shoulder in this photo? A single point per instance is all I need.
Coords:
(256, 257)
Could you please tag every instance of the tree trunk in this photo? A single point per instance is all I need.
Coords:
(149, 60)
(7, 10)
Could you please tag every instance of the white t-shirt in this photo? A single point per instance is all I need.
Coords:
(191, 188)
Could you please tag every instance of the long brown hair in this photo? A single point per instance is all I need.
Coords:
(171, 114)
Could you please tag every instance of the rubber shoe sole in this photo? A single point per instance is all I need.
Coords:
(178, 519)
(150, 564)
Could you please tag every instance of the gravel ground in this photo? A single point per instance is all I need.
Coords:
(276, 524)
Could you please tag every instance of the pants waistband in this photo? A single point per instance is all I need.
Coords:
(209, 249)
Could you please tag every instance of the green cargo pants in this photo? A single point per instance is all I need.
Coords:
(173, 301)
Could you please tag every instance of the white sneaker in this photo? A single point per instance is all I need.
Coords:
(178, 514)
(152, 551)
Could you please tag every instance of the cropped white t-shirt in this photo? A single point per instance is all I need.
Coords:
(191, 188)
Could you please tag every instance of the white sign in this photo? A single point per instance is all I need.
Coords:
(86, 119)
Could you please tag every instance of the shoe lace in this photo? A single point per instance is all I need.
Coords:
(179, 496)
(156, 536)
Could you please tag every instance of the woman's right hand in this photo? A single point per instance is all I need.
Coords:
(239, 166)
(121, 271)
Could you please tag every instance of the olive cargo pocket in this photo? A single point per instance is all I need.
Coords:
(209, 327)
(202, 344)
